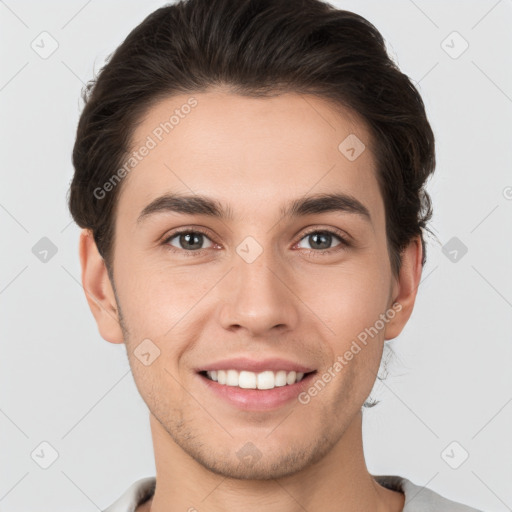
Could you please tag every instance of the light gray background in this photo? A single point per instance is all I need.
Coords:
(61, 383)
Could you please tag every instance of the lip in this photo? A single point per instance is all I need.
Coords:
(252, 365)
(257, 399)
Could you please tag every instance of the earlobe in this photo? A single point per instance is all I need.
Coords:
(98, 289)
(406, 288)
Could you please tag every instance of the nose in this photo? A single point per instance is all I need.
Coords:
(258, 296)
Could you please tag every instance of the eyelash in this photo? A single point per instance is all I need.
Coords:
(344, 244)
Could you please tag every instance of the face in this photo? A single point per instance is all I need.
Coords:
(261, 283)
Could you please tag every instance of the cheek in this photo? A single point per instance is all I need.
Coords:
(163, 304)
(158, 386)
(348, 298)
(152, 293)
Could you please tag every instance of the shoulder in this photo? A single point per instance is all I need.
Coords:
(419, 498)
(136, 494)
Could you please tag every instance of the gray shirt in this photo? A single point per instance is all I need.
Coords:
(417, 498)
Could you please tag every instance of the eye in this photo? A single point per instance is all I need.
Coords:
(192, 241)
(188, 240)
(321, 241)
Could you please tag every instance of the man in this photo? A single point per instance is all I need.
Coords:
(249, 177)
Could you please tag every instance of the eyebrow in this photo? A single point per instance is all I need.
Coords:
(203, 205)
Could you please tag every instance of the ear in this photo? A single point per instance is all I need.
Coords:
(405, 288)
(98, 289)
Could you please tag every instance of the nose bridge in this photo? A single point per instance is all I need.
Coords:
(257, 296)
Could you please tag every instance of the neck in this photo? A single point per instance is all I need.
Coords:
(339, 477)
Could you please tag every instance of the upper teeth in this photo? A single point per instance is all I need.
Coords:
(250, 380)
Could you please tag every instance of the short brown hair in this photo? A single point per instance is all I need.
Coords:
(256, 48)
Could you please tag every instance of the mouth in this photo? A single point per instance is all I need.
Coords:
(265, 391)
(249, 384)
(265, 380)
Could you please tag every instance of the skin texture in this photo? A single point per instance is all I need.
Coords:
(255, 155)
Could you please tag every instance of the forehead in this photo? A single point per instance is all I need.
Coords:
(249, 152)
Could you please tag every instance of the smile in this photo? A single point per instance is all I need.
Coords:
(266, 379)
